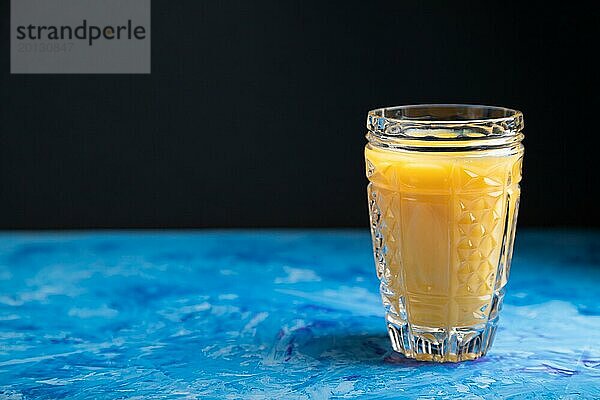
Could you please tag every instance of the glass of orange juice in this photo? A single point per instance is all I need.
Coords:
(443, 201)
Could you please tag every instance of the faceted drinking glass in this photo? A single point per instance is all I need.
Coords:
(443, 201)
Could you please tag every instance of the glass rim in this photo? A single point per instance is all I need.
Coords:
(510, 114)
(444, 125)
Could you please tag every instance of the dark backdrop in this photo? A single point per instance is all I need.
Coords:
(254, 113)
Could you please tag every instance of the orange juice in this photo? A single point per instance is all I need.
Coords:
(442, 217)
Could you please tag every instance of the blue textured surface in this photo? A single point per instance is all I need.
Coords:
(265, 314)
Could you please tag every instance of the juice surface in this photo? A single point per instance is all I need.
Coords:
(442, 218)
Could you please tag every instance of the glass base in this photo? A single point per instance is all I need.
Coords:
(440, 344)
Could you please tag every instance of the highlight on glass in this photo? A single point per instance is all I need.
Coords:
(443, 199)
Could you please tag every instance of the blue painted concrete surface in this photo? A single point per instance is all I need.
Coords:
(272, 314)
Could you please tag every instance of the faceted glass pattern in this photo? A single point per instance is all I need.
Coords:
(443, 259)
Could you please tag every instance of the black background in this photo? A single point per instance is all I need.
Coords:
(255, 111)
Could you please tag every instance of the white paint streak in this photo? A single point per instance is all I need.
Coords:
(357, 300)
(10, 317)
(195, 308)
(101, 312)
(36, 359)
(253, 323)
(460, 388)
(296, 275)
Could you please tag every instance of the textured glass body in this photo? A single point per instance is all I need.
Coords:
(443, 222)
